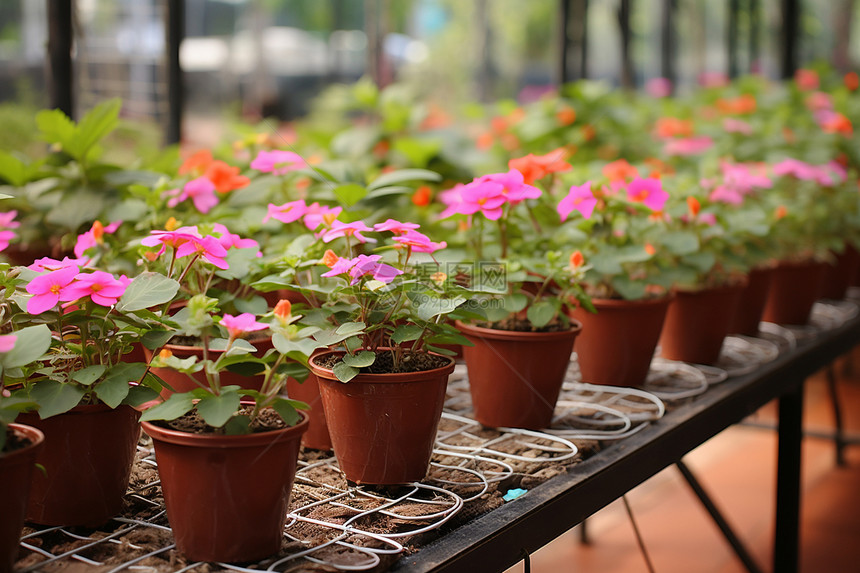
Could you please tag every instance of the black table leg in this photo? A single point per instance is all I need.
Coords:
(787, 538)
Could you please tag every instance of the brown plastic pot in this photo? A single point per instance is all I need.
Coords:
(16, 471)
(317, 436)
(794, 289)
(752, 300)
(698, 321)
(182, 382)
(227, 496)
(617, 342)
(87, 457)
(838, 276)
(515, 377)
(383, 426)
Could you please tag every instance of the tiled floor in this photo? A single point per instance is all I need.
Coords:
(737, 468)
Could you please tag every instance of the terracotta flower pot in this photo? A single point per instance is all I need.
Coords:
(617, 343)
(227, 496)
(16, 471)
(698, 321)
(794, 289)
(87, 457)
(752, 300)
(181, 382)
(317, 436)
(838, 276)
(515, 377)
(383, 426)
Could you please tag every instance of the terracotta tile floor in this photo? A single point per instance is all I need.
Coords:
(738, 469)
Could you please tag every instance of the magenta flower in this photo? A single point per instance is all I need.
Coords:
(744, 178)
(341, 266)
(688, 145)
(514, 188)
(208, 247)
(708, 219)
(341, 229)
(7, 220)
(239, 325)
(649, 192)
(230, 240)
(287, 213)
(395, 227)
(277, 162)
(7, 342)
(46, 289)
(484, 196)
(102, 288)
(659, 87)
(796, 168)
(5, 238)
(578, 198)
(93, 237)
(734, 125)
(170, 238)
(49, 264)
(317, 214)
(364, 265)
(726, 194)
(201, 191)
(419, 242)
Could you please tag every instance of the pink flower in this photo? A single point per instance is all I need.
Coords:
(7, 342)
(102, 287)
(172, 238)
(419, 242)
(207, 247)
(713, 79)
(395, 227)
(94, 237)
(744, 178)
(230, 240)
(5, 238)
(7, 220)
(288, 212)
(341, 229)
(579, 198)
(49, 264)
(818, 101)
(726, 194)
(364, 265)
(201, 191)
(659, 87)
(796, 168)
(514, 188)
(239, 325)
(649, 192)
(316, 214)
(46, 289)
(486, 197)
(734, 125)
(708, 219)
(277, 162)
(688, 145)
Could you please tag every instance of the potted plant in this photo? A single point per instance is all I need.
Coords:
(523, 337)
(85, 389)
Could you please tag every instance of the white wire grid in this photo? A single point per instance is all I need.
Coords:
(372, 526)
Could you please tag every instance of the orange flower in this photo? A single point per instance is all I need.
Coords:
(741, 105)
(329, 258)
(484, 141)
(780, 212)
(566, 115)
(150, 256)
(499, 125)
(806, 79)
(197, 163)
(673, 127)
(788, 135)
(171, 224)
(658, 167)
(510, 141)
(851, 81)
(516, 115)
(535, 167)
(588, 132)
(98, 231)
(649, 248)
(837, 123)
(422, 196)
(694, 206)
(303, 183)
(436, 118)
(381, 148)
(283, 309)
(620, 170)
(225, 177)
(165, 354)
(576, 259)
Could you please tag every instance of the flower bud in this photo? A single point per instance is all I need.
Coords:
(283, 309)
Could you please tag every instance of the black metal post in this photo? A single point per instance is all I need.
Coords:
(717, 516)
(563, 41)
(732, 38)
(60, 39)
(839, 440)
(624, 28)
(667, 44)
(175, 32)
(790, 37)
(583, 39)
(790, 432)
(754, 43)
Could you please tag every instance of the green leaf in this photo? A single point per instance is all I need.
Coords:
(175, 406)
(156, 338)
(237, 425)
(680, 242)
(31, 344)
(287, 410)
(56, 127)
(146, 290)
(516, 302)
(94, 126)
(88, 375)
(350, 193)
(360, 360)
(437, 306)
(115, 386)
(703, 262)
(79, 207)
(629, 289)
(303, 346)
(138, 395)
(403, 175)
(216, 410)
(350, 328)
(540, 313)
(344, 372)
(55, 397)
(406, 332)
(13, 170)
